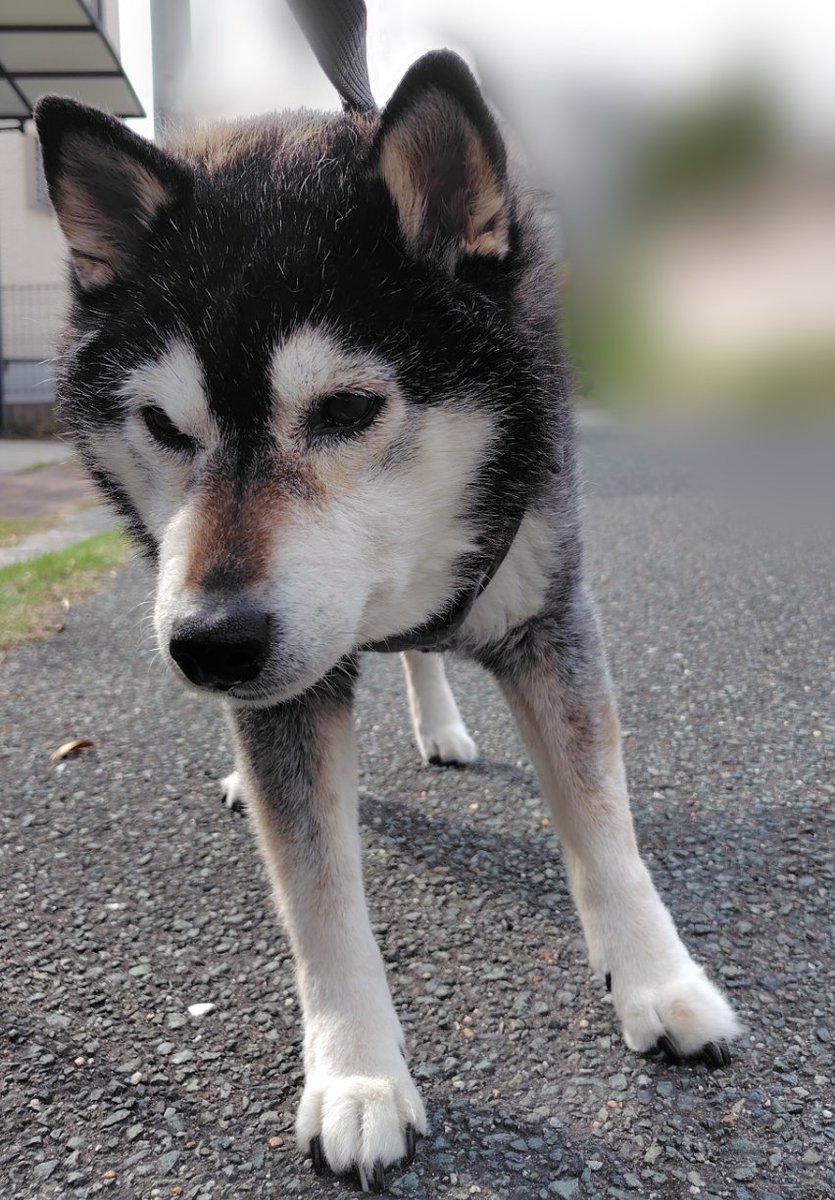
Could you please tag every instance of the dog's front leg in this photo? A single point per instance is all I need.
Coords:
(555, 678)
(360, 1108)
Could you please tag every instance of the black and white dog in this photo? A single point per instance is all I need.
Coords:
(313, 361)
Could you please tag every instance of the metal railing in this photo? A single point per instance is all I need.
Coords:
(32, 315)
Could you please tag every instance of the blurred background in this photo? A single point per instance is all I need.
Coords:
(686, 156)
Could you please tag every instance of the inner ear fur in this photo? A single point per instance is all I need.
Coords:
(441, 156)
(107, 186)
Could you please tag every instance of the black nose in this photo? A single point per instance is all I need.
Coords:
(222, 651)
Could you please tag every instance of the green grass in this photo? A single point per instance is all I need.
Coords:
(14, 528)
(34, 595)
(35, 466)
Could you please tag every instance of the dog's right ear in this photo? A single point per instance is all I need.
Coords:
(107, 186)
(442, 158)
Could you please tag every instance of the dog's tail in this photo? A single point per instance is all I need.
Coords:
(336, 31)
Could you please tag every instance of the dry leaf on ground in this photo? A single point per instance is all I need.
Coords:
(72, 747)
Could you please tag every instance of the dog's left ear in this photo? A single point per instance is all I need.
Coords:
(444, 163)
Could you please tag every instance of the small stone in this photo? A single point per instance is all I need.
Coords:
(746, 1171)
(174, 1119)
(617, 1082)
(119, 1114)
(132, 1132)
(44, 1170)
(182, 1056)
(565, 1188)
(811, 1157)
(201, 1010)
(167, 1162)
(57, 1020)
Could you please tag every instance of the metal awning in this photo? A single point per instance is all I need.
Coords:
(58, 46)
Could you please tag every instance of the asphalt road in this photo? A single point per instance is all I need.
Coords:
(130, 894)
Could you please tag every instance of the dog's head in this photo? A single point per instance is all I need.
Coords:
(297, 359)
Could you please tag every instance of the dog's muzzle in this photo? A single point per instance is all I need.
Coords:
(220, 650)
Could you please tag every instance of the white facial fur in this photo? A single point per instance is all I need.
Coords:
(155, 479)
(376, 554)
(367, 550)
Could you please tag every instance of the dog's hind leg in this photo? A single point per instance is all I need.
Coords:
(359, 1109)
(554, 675)
(440, 733)
(232, 792)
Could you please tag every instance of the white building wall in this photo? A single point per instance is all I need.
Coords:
(31, 246)
(33, 254)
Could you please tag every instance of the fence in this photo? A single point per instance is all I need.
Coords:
(31, 315)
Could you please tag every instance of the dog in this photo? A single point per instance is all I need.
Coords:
(313, 362)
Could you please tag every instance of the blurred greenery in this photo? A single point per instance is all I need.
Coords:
(690, 171)
(695, 154)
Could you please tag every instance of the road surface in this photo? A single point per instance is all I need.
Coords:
(130, 894)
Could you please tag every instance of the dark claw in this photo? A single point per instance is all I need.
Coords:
(378, 1179)
(237, 806)
(608, 981)
(411, 1144)
(437, 761)
(666, 1046)
(716, 1055)
(317, 1157)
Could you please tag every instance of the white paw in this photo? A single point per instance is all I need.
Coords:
(232, 792)
(359, 1122)
(686, 1009)
(447, 744)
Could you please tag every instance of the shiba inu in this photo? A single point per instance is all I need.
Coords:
(313, 361)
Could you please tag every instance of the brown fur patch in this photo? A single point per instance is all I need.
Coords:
(235, 534)
(681, 1011)
(220, 145)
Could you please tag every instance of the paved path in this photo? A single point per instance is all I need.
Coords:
(53, 492)
(40, 480)
(130, 895)
(22, 454)
(77, 528)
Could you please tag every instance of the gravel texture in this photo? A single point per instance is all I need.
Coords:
(130, 895)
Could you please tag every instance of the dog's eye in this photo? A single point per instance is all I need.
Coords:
(345, 413)
(163, 430)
